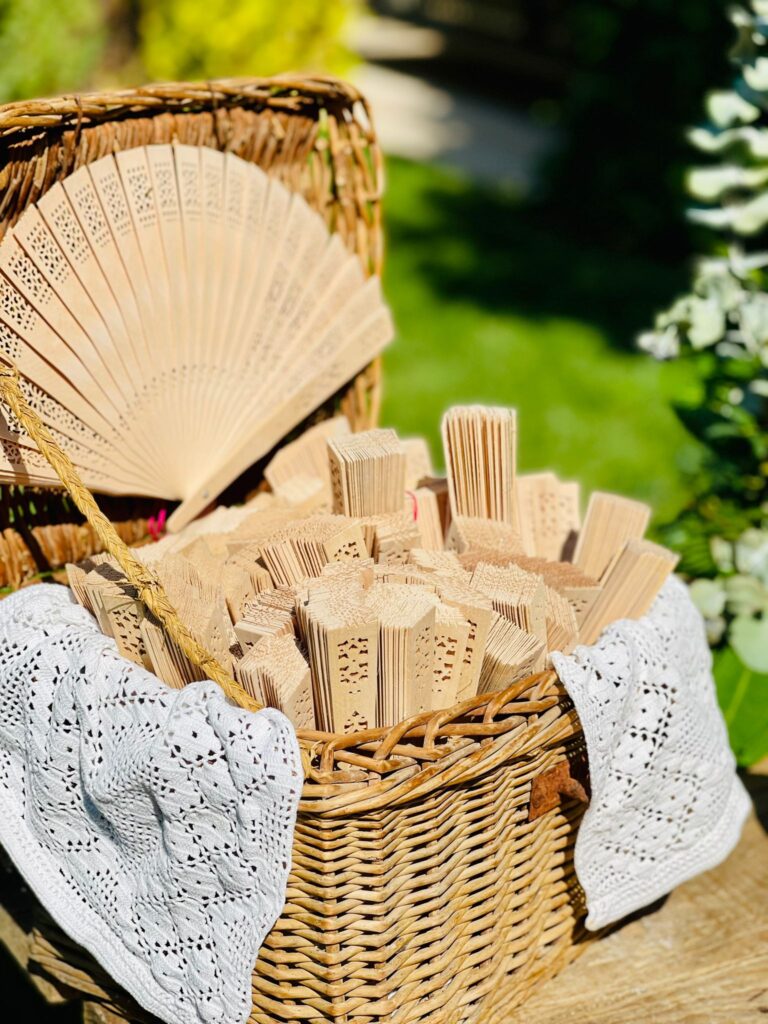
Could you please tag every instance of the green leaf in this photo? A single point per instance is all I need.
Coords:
(752, 553)
(753, 319)
(752, 138)
(177, 41)
(663, 344)
(749, 639)
(720, 217)
(722, 553)
(709, 141)
(719, 282)
(743, 696)
(743, 263)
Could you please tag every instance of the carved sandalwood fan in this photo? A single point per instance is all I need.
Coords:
(174, 312)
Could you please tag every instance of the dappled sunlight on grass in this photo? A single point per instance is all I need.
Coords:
(492, 306)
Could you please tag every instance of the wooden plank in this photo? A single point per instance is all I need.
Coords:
(98, 1013)
(17, 942)
(700, 958)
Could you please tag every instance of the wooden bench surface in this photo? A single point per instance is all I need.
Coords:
(699, 958)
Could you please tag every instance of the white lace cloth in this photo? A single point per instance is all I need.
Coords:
(155, 825)
(666, 801)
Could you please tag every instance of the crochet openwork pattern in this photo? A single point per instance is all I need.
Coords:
(155, 825)
(666, 801)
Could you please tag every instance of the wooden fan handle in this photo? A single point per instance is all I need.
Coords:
(148, 586)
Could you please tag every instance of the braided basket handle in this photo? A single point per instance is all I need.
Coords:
(143, 579)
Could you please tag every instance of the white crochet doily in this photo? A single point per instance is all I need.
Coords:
(666, 801)
(155, 825)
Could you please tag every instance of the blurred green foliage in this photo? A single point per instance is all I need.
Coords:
(720, 328)
(635, 72)
(721, 325)
(54, 46)
(742, 696)
(187, 39)
(48, 46)
(492, 304)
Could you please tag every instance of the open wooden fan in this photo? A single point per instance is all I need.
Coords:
(174, 312)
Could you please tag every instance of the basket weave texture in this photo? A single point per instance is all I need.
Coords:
(425, 888)
(315, 135)
(432, 878)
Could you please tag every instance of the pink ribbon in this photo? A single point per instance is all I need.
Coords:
(156, 524)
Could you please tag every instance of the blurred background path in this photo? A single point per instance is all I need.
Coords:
(422, 118)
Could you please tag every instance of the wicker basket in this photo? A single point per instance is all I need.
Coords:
(315, 135)
(432, 878)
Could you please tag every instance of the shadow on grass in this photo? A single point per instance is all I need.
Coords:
(494, 304)
(499, 252)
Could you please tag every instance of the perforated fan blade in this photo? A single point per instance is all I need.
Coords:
(173, 313)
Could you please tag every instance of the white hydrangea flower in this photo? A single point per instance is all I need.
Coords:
(745, 595)
(709, 597)
(752, 554)
(722, 553)
(663, 344)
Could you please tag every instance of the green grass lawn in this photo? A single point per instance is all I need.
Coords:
(492, 305)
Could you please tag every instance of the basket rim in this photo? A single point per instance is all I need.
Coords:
(382, 767)
(291, 93)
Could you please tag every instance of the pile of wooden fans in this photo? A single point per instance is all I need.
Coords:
(363, 589)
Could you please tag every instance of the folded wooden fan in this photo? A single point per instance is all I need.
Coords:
(173, 313)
